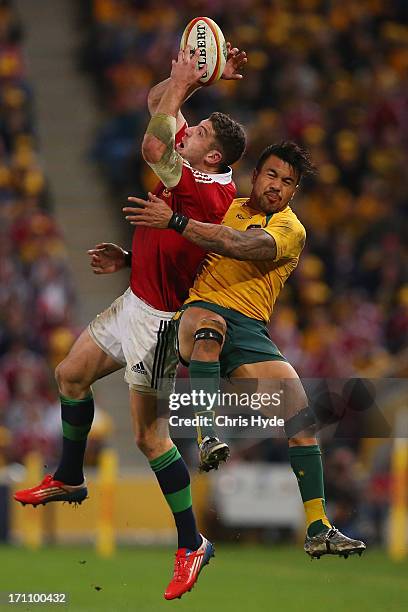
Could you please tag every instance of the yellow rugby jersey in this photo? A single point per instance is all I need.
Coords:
(251, 287)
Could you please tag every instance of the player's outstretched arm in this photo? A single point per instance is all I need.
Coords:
(166, 101)
(236, 60)
(158, 141)
(107, 258)
(156, 93)
(255, 244)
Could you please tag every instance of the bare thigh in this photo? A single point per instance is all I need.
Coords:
(85, 363)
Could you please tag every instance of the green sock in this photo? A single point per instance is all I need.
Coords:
(306, 462)
(205, 376)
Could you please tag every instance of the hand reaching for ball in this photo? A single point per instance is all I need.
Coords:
(236, 61)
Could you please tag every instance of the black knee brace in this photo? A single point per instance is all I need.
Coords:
(301, 421)
(208, 333)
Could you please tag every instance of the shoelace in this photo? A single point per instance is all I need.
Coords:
(332, 532)
(180, 568)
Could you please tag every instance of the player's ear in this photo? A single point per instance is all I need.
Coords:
(254, 176)
(214, 157)
(294, 192)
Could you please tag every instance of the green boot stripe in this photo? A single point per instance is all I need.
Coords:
(180, 500)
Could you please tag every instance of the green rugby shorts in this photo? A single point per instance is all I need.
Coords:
(247, 340)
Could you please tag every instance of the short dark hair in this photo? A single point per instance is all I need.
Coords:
(291, 153)
(230, 137)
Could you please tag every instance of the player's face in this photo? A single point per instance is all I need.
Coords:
(197, 143)
(274, 185)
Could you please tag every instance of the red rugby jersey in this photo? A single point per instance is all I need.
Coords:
(164, 264)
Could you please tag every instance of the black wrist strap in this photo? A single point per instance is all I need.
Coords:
(178, 222)
(128, 259)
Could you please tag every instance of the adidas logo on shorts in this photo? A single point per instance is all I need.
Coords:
(139, 368)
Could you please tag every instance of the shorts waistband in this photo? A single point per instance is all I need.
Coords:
(163, 314)
(225, 312)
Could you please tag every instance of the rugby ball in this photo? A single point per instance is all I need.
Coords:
(203, 33)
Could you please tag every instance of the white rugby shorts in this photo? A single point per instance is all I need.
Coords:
(139, 337)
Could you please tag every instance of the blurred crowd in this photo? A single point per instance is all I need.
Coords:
(35, 293)
(333, 76)
(37, 298)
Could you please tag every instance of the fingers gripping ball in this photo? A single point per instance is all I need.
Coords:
(203, 33)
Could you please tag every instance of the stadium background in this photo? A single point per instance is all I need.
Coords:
(74, 77)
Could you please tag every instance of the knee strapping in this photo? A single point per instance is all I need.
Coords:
(209, 333)
(303, 420)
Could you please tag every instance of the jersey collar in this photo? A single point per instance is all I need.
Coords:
(223, 178)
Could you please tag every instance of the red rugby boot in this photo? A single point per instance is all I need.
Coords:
(50, 490)
(187, 568)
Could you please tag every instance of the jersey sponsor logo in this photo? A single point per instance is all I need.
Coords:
(239, 216)
(139, 368)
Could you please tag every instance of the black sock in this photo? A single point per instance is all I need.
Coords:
(174, 480)
(77, 417)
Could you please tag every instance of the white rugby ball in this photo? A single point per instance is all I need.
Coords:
(203, 33)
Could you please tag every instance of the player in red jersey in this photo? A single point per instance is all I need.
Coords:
(192, 164)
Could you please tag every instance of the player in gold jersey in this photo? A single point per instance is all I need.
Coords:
(222, 325)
